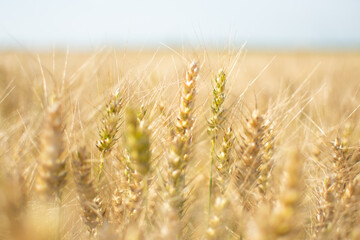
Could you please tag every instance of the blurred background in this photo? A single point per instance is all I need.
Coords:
(261, 24)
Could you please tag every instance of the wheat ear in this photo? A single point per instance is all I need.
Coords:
(109, 128)
(216, 121)
(324, 217)
(51, 169)
(137, 164)
(267, 162)
(340, 168)
(247, 170)
(349, 207)
(92, 211)
(217, 223)
(284, 221)
(181, 138)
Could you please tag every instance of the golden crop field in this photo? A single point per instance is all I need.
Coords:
(179, 145)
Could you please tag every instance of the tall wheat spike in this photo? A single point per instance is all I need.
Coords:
(51, 169)
(247, 170)
(109, 128)
(138, 164)
(181, 138)
(284, 221)
(138, 141)
(340, 168)
(92, 210)
(325, 214)
(267, 155)
(215, 122)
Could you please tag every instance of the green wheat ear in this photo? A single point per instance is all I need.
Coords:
(217, 109)
(138, 141)
(109, 127)
(215, 122)
(137, 165)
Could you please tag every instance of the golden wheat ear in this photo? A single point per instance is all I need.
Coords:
(350, 207)
(267, 158)
(247, 169)
(92, 211)
(340, 167)
(51, 168)
(284, 221)
(180, 146)
(325, 212)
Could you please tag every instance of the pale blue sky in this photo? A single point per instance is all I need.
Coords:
(295, 24)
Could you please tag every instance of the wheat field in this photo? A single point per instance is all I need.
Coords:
(179, 144)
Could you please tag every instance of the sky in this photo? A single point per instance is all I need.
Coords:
(263, 24)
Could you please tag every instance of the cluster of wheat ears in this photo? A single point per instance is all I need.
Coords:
(159, 170)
